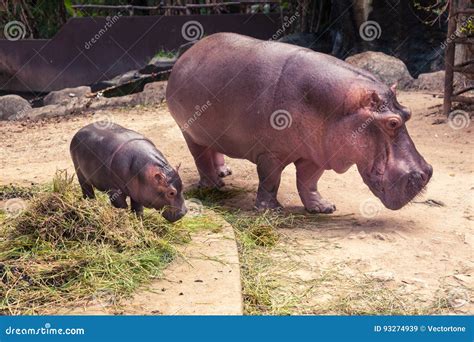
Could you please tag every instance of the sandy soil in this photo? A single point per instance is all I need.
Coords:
(423, 251)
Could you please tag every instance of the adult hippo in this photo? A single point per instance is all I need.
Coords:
(275, 104)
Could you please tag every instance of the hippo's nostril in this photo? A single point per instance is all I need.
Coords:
(426, 174)
(429, 172)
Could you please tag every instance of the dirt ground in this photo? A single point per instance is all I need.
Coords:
(423, 253)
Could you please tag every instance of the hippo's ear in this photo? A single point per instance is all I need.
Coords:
(393, 88)
(370, 99)
(160, 177)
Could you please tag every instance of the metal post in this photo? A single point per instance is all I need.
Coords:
(449, 59)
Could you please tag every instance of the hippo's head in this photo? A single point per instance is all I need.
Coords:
(163, 190)
(377, 141)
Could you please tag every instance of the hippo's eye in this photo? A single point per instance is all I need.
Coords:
(171, 193)
(393, 123)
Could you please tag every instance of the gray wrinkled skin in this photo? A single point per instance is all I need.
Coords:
(275, 104)
(124, 163)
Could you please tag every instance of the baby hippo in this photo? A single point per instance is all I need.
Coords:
(124, 163)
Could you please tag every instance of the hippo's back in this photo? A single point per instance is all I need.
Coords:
(224, 90)
(101, 142)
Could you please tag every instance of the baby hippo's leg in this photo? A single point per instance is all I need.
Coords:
(307, 175)
(87, 189)
(118, 199)
(137, 208)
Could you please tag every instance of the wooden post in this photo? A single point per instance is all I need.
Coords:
(449, 58)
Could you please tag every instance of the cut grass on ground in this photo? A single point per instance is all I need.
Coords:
(65, 250)
(277, 281)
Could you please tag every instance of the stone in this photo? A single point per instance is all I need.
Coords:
(381, 275)
(434, 81)
(457, 297)
(153, 93)
(74, 106)
(64, 96)
(13, 107)
(158, 64)
(388, 69)
(120, 79)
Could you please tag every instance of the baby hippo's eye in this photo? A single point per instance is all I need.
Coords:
(171, 193)
(393, 123)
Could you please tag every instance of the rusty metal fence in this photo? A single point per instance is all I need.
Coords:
(89, 50)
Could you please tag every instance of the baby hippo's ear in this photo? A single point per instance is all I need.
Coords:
(160, 177)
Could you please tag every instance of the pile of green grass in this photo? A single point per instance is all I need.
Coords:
(64, 249)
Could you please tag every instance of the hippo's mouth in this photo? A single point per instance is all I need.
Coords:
(173, 214)
(398, 192)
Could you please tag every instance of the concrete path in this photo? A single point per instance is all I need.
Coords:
(205, 280)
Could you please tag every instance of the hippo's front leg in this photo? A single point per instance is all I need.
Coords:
(269, 170)
(307, 176)
(137, 208)
(118, 199)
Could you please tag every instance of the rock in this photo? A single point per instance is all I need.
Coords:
(158, 64)
(457, 297)
(387, 68)
(381, 275)
(416, 281)
(13, 107)
(65, 95)
(465, 278)
(153, 93)
(74, 106)
(434, 81)
(379, 236)
(118, 80)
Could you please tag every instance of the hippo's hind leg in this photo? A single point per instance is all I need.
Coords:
(269, 169)
(87, 188)
(204, 159)
(307, 175)
(221, 168)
